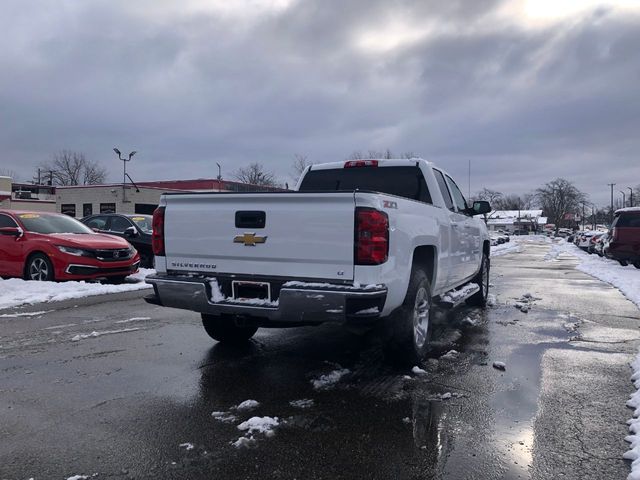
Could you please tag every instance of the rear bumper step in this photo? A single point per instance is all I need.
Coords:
(297, 302)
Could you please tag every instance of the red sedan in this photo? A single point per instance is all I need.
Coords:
(51, 246)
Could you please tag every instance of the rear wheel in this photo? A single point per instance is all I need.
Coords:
(116, 280)
(624, 263)
(482, 280)
(225, 330)
(637, 264)
(39, 268)
(409, 328)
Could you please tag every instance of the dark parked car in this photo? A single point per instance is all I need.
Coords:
(134, 228)
(624, 241)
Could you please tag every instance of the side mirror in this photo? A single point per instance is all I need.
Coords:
(480, 207)
(131, 232)
(11, 231)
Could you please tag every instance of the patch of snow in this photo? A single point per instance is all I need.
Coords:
(505, 248)
(83, 336)
(450, 355)
(445, 396)
(471, 322)
(82, 477)
(218, 297)
(500, 366)
(418, 371)
(332, 286)
(25, 314)
(633, 438)
(134, 319)
(260, 425)
(337, 310)
(368, 311)
(406, 420)
(224, 417)
(187, 446)
(303, 403)
(247, 405)
(244, 442)
(15, 291)
(328, 380)
(492, 300)
(216, 294)
(625, 279)
(465, 291)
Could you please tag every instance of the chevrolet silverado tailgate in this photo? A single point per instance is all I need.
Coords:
(301, 235)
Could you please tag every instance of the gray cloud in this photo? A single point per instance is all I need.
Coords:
(188, 89)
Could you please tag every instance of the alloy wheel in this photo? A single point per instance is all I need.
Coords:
(421, 314)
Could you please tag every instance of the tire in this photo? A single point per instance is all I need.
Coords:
(482, 279)
(225, 330)
(146, 260)
(624, 263)
(39, 268)
(409, 328)
(637, 264)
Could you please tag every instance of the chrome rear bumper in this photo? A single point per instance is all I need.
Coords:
(299, 303)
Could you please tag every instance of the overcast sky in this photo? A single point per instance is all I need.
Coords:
(528, 90)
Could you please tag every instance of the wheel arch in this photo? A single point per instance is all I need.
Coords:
(425, 256)
(31, 255)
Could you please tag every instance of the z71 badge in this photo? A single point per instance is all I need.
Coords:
(390, 204)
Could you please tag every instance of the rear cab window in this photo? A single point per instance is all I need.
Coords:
(627, 220)
(407, 182)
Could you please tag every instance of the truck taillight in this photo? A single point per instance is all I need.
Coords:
(157, 238)
(372, 237)
(361, 163)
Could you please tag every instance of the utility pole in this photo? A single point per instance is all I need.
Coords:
(611, 185)
(583, 216)
(630, 196)
(219, 177)
(469, 185)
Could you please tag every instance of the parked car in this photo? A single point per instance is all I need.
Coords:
(600, 244)
(591, 249)
(583, 240)
(136, 229)
(51, 246)
(359, 243)
(496, 239)
(624, 242)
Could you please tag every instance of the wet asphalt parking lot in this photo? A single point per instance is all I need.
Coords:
(136, 400)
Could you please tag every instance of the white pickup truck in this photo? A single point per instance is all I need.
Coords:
(357, 242)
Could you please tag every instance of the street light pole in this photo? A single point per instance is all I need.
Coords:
(124, 173)
(219, 177)
(630, 196)
(611, 185)
(624, 199)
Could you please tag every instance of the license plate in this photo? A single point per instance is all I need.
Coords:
(242, 290)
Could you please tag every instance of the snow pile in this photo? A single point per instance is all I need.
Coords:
(633, 453)
(83, 336)
(15, 291)
(245, 442)
(187, 446)
(625, 279)
(450, 355)
(492, 300)
(247, 405)
(505, 248)
(471, 322)
(134, 319)
(324, 382)
(303, 403)
(418, 371)
(263, 425)
(500, 366)
(81, 477)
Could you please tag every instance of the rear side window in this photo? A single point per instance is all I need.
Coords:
(407, 182)
(443, 189)
(627, 221)
(6, 221)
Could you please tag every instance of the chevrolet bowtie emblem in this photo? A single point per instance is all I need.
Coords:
(249, 239)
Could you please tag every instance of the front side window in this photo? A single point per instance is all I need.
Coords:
(458, 198)
(99, 223)
(7, 221)
(119, 224)
(444, 190)
(48, 223)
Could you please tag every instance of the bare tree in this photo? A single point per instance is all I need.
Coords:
(255, 174)
(559, 198)
(72, 168)
(489, 195)
(7, 172)
(300, 163)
